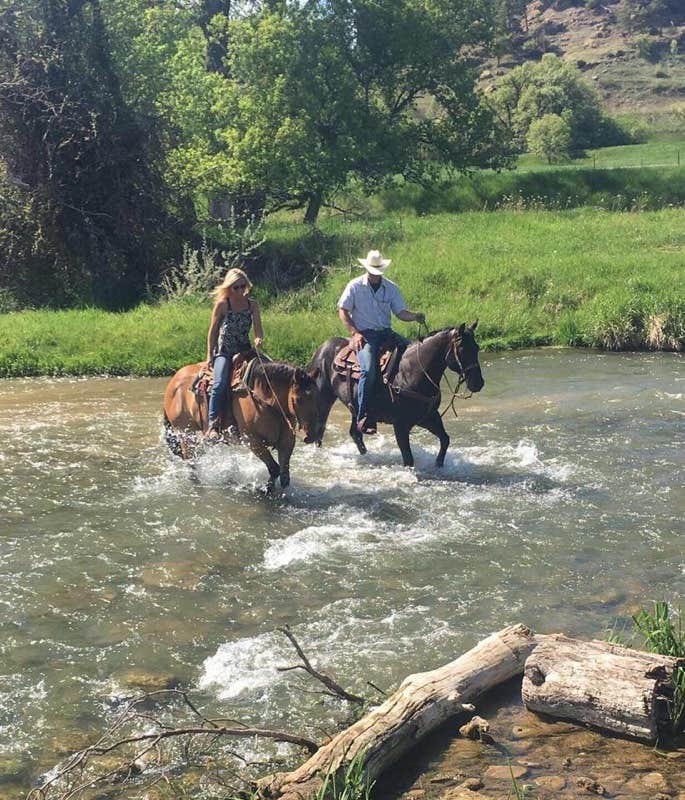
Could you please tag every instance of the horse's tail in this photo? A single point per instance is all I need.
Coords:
(172, 438)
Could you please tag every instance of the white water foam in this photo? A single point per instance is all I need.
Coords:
(246, 665)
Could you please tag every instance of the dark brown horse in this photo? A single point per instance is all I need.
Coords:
(416, 400)
(281, 399)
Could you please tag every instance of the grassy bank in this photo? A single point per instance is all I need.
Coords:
(578, 277)
(534, 188)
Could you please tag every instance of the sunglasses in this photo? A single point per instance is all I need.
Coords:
(237, 287)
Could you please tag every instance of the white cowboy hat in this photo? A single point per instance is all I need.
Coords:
(374, 262)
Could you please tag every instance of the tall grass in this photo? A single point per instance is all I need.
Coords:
(353, 785)
(662, 632)
(579, 277)
(555, 188)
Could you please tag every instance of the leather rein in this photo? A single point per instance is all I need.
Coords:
(277, 406)
(453, 349)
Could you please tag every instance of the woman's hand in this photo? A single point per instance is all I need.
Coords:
(258, 342)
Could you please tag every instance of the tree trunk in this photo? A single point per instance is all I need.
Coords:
(422, 703)
(217, 51)
(313, 208)
(605, 685)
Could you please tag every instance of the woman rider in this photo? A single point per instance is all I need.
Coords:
(233, 315)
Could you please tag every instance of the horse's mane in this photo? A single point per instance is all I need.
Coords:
(435, 332)
(282, 371)
(440, 330)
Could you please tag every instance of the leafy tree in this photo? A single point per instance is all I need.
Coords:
(318, 92)
(536, 89)
(78, 160)
(550, 136)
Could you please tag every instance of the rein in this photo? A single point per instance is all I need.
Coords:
(452, 348)
(275, 396)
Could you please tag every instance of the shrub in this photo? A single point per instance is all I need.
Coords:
(550, 136)
(648, 48)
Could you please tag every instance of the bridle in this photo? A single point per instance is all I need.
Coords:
(453, 350)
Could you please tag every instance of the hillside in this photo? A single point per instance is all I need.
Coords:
(635, 68)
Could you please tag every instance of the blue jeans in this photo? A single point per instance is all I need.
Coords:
(368, 363)
(223, 369)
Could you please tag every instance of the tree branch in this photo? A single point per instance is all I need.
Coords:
(335, 688)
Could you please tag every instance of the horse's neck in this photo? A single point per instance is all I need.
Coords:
(280, 390)
(429, 363)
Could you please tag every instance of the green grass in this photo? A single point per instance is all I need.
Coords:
(555, 188)
(662, 631)
(579, 277)
(650, 154)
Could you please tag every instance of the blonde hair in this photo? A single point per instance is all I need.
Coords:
(232, 276)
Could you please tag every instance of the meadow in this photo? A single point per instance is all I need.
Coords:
(582, 277)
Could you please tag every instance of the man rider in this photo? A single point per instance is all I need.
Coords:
(364, 308)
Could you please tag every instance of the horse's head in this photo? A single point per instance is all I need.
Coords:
(304, 402)
(462, 356)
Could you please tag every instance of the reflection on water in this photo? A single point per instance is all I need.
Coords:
(560, 505)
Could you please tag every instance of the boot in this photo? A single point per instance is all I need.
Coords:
(213, 432)
(366, 425)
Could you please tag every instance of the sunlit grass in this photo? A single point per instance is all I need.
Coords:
(580, 277)
(650, 154)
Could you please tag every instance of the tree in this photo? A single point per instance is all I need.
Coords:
(533, 90)
(318, 92)
(80, 160)
(550, 136)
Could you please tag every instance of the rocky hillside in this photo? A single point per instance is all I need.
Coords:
(635, 65)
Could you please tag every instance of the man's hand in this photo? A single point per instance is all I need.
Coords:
(357, 341)
(258, 342)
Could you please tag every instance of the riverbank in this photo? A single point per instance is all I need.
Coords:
(583, 277)
(550, 760)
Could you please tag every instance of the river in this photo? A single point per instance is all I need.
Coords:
(560, 505)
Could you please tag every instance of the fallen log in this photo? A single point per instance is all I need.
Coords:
(605, 685)
(422, 703)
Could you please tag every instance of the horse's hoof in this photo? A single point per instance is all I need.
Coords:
(362, 448)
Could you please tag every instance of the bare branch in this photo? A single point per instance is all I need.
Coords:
(335, 688)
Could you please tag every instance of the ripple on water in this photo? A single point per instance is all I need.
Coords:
(113, 554)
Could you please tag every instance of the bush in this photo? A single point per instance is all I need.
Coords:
(648, 48)
(550, 136)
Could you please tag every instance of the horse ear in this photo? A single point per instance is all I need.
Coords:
(474, 324)
(461, 329)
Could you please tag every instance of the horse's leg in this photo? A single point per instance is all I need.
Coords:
(260, 449)
(286, 445)
(357, 436)
(402, 437)
(325, 406)
(435, 425)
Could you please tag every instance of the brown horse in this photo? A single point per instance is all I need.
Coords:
(281, 399)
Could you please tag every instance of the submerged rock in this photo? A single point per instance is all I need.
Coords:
(504, 772)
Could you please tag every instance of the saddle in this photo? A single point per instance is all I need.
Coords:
(346, 363)
(241, 377)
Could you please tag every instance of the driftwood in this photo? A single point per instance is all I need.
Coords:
(601, 684)
(422, 703)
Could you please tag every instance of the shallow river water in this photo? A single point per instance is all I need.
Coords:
(560, 505)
